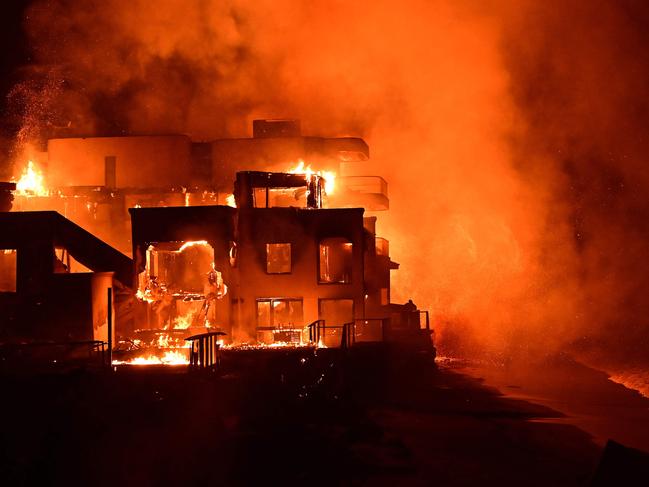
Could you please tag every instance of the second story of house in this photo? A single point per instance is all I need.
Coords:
(310, 260)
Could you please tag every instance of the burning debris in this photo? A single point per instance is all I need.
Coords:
(170, 357)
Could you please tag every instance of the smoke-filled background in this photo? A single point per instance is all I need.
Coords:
(514, 136)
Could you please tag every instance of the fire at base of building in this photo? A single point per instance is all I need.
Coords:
(288, 261)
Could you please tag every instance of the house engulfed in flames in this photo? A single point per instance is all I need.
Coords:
(289, 256)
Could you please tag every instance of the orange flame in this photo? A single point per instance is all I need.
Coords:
(31, 183)
(171, 357)
(328, 176)
(183, 322)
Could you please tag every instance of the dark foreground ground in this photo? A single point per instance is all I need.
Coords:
(589, 400)
(279, 418)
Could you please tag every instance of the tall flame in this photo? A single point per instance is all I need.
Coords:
(328, 176)
(32, 183)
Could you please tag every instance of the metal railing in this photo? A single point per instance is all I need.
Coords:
(319, 331)
(204, 352)
(370, 329)
(282, 333)
(359, 330)
(316, 331)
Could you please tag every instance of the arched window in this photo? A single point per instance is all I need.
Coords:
(335, 261)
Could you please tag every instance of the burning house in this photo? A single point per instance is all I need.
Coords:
(287, 256)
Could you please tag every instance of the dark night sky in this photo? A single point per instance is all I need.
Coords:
(14, 52)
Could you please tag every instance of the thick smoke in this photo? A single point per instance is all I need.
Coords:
(582, 72)
(513, 136)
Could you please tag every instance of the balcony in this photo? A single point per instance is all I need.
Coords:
(369, 192)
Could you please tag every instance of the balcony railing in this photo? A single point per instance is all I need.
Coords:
(364, 184)
(370, 329)
(347, 334)
(369, 192)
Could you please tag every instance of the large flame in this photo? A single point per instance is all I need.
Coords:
(183, 322)
(171, 357)
(328, 176)
(230, 201)
(32, 182)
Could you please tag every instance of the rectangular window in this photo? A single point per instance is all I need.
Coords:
(279, 312)
(279, 197)
(286, 197)
(278, 258)
(263, 314)
(260, 196)
(335, 261)
(8, 270)
(180, 267)
(279, 320)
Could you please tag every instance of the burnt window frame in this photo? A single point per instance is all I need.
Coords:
(290, 257)
(351, 270)
(165, 246)
(271, 315)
